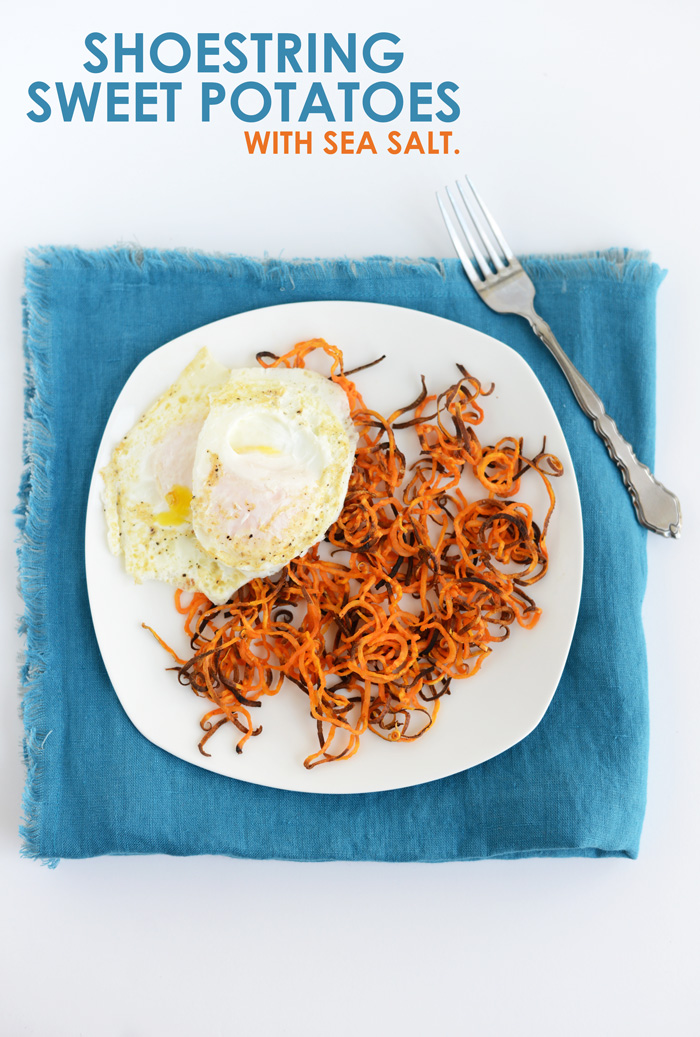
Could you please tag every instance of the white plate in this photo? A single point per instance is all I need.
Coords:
(484, 715)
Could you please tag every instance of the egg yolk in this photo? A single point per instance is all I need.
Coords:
(269, 450)
(179, 500)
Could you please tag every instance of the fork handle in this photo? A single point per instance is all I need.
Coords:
(657, 508)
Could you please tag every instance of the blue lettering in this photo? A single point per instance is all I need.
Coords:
(236, 52)
(120, 52)
(316, 103)
(101, 57)
(181, 41)
(45, 112)
(142, 100)
(369, 94)
(170, 89)
(391, 60)
(417, 99)
(212, 93)
(331, 47)
(262, 39)
(453, 112)
(204, 52)
(113, 89)
(288, 45)
(264, 94)
(348, 89)
(285, 90)
(68, 105)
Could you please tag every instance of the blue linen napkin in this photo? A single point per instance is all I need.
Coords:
(575, 787)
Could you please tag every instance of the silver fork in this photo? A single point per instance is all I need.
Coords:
(504, 286)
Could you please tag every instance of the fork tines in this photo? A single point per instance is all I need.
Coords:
(484, 234)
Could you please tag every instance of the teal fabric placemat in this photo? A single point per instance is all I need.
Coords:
(575, 787)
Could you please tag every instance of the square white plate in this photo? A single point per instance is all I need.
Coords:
(484, 715)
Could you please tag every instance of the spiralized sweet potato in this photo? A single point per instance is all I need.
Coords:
(418, 586)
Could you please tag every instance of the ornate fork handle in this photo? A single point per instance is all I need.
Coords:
(657, 508)
(504, 285)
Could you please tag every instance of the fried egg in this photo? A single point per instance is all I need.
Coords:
(229, 475)
(148, 489)
(272, 466)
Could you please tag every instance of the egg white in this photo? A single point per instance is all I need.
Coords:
(272, 466)
(155, 457)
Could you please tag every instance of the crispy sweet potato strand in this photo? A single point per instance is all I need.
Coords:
(339, 628)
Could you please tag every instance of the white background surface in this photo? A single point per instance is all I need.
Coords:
(579, 123)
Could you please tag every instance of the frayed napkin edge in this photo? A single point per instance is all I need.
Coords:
(623, 265)
(31, 518)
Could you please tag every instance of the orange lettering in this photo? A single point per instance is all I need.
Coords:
(394, 143)
(414, 144)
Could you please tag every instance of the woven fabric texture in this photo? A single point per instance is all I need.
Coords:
(575, 787)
